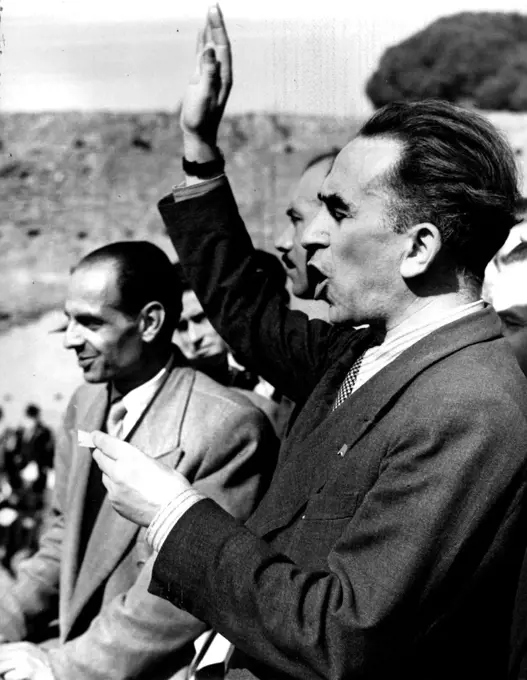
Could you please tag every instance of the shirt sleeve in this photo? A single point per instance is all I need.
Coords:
(182, 192)
(169, 515)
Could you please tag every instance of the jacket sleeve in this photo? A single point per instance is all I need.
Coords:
(142, 636)
(446, 483)
(240, 297)
(33, 596)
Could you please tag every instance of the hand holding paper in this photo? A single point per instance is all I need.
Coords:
(138, 486)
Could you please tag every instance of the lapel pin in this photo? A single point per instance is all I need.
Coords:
(342, 451)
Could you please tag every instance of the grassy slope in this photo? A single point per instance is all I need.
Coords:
(71, 182)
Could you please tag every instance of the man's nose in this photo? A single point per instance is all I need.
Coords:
(316, 233)
(73, 336)
(194, 333)
(284, 242)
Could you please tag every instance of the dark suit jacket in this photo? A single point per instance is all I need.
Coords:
(211, 434)
(389, 542)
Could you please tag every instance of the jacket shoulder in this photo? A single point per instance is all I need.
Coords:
(212, 391)
(82, 397)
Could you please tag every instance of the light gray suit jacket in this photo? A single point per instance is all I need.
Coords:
(211, 434)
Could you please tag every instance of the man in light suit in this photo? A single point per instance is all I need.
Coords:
(93, 567)
(390, 540)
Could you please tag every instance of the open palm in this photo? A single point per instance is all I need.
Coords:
(208, 90)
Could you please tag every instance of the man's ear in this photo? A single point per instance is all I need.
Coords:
(151, 320)
(423, 246)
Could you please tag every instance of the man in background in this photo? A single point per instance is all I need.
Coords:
(506, 290)
(93, 567)
(302, 209)
(36, 447)
(208, 352)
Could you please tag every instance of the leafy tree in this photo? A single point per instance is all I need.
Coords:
(477, 58)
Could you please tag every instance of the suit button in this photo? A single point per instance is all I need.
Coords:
(140, 563)
(303, 516)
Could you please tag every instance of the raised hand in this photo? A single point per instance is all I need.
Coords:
(208, 90)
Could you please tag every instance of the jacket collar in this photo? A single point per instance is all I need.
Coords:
(317, 433)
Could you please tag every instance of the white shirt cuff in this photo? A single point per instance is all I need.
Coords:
(184, 191)
(168, 516)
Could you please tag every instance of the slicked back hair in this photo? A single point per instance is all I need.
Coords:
(144, 274)
(457, 172)
(322, 157)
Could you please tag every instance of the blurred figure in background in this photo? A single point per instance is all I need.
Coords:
(36, 447)
(208, 352)
(506, 290)
(302, 209)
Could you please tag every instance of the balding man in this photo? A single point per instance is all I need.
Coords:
(93, 567)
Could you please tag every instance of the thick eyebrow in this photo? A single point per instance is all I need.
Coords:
(334, 202)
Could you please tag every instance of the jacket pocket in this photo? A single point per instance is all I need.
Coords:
(327, 506)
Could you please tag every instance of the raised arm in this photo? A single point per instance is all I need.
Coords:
(248, 308)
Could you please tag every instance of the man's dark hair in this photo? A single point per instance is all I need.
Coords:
(457, 172)
(326, 156)
(144, 274)
(32, 411)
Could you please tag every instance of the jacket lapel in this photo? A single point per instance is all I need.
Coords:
(319, 432)
(90, 416)
(112, 534)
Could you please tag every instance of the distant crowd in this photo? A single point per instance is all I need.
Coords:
(26, 478)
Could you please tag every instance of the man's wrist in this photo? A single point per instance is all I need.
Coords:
(197, 150)
(208, 170)
(168, 516)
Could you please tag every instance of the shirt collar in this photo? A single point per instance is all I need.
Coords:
(408, 328)
(138, 399)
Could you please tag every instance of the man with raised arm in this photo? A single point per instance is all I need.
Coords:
(389, 541)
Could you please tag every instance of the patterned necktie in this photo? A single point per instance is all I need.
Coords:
(348, 383)
(116, 414)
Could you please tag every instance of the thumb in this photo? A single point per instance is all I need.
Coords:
(115, 448)
(209, 65)
(110, 446)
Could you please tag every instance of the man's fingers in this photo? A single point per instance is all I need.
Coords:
(210, 69)
(110, 446)
(222, 48)
(200, 46)
(106, 481)
(105, 464)
(200, 43)
(217, 26)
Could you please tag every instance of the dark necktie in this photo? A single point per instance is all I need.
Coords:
(348, 383)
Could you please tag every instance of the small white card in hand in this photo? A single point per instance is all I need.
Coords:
(84, 439)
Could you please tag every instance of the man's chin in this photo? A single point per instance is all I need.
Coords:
(337, 314)
(92, 377)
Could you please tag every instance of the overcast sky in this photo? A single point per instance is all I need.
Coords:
(138, 54)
